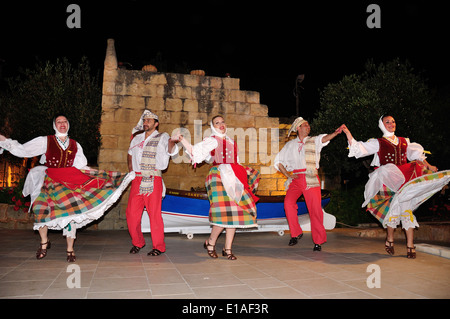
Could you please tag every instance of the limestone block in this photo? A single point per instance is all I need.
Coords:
(113, 128)
(259, 110)
(182, 92)
(154, 104)
(223, 108)
(239, 120)
(108, 115)
(252, 97)
(242, 108)
(109, 141)
(133, 102)
(190, 105)
(110, 75)
(154, 78)
(109, 88)
(230, 83)
(113, 155)
(175, 105)
(113, 166)
(238, 96)
(263, 121)
(110, 59)
(191, 80)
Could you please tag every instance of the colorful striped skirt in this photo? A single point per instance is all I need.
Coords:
(60, 204)
(224, 211)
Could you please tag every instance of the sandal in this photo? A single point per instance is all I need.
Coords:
(409, 253)
(41, 252)
(230, 255)
(212, 253)
(71, 256)
(389, 248)
(155, 252)
(135, 249)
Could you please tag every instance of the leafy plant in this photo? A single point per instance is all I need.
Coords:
(33, 98)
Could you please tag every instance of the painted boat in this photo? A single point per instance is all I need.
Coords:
(186, 212)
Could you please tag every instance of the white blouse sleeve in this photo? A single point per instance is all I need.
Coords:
(359, 149)
(80, 160)
(414, 151)
(35, 147)
(202, 151)
(162, 152)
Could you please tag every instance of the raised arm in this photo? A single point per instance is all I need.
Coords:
(329, 137)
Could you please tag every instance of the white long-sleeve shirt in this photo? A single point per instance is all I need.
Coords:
(291, 158)
(359, 149)
(38, 146)
(162, 154)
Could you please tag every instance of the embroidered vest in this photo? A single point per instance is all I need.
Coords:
(148, 165)
(225, 153)
(390, 153)
(56, 156)
(310, 159)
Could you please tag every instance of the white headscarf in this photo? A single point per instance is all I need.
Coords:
(215, 132)
(146, 115)
(58, 133)
(386, 133)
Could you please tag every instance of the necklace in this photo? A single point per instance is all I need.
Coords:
(63, 143)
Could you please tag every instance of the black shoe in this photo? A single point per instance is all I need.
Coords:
(135, 249)
(317, 247)
(294, 240)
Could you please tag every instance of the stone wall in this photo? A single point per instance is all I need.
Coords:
(187, 102)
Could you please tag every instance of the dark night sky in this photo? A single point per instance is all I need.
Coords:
(265, 45)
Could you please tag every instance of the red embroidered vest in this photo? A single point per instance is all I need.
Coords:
(56, 157)
(390, 153)
(225, 153)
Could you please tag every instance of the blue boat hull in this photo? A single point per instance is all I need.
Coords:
(187, 212)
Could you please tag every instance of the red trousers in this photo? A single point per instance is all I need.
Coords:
(152, 202)
(313, 200)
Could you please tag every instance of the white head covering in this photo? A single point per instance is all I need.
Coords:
(58, 133)
(146, 115)
(298, 121)
(386, 133)
(215, 132)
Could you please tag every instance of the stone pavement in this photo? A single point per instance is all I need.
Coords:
(266, 268)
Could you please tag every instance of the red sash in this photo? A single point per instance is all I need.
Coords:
(73, 178)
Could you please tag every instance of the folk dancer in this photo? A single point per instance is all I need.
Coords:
(230, 186)
(299, 161)
(396, 187)
(148, 155)
(65, 193)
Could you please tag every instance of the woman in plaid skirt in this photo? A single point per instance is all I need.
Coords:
(396, 187)
(229, 185)
(65, 193)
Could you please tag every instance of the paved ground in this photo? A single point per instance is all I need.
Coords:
(266, 268)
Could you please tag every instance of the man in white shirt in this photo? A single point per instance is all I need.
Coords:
(299, 160)
(148, 155)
